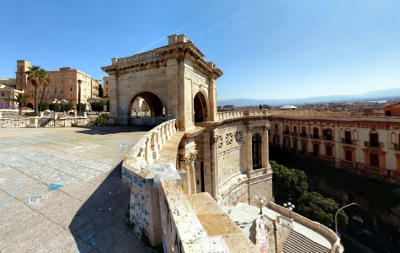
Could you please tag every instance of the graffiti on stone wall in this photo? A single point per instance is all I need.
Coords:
(139, 215)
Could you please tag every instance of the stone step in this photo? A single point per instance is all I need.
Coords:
(297, 242)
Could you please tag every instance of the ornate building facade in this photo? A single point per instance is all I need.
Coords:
(369, 145)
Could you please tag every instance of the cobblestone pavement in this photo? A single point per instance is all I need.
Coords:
(61, 190)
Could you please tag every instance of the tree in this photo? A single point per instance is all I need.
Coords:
(37, 77)
(21, 99)
(318, 208)
(289, 184)
(45, 83)
(101, 91)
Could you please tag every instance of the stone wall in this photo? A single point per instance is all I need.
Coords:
(43, 122)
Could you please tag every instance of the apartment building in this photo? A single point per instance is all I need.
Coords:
(95, 88)
(63, 84)
(369, 145)
(8, 92)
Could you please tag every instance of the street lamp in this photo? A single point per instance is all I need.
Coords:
(289, 206)
(79, 95)
(261, 200)
(340, 209)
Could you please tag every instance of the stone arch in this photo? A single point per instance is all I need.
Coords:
(256, 151)
(156, 106)
(200, 107)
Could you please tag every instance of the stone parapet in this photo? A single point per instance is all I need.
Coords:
(315, 226)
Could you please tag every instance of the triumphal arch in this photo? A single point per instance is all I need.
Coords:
(195, 160)
(230, 156)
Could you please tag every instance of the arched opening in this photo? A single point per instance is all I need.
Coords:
(30, 105)
(146, 104)
(200, 107)
(146, 108)
(256, 151)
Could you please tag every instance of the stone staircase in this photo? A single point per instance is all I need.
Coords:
(298, 243)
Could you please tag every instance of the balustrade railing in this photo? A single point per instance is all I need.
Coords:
(237, 114)
(147, 149)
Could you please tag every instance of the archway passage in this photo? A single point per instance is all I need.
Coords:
(200, 108)
(146, 104)
(256, 151)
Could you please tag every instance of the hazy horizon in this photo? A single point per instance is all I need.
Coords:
(266, 49)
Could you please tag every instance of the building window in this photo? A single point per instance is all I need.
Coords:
(373, 140)
(70, 88)
(55, 81)
(315, 133)
(106, 82)
(328, 150)
(70, 81)
(2, 94)
(256, 151)
(374, 160)
(287, 129)
(315, 149)
(62, 81)
(347, 137)
(328, 134)
(348, 155)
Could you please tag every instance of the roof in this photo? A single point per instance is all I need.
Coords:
(393, 106)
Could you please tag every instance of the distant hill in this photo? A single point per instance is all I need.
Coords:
(372, 95)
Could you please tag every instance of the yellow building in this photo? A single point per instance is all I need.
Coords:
(63, 84)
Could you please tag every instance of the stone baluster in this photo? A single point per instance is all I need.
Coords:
(154, 146)
(148, 150)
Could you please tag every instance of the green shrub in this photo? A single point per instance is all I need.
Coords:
(108, 105)
(44, 106)
(102, 120)
(66, 107)
(55, 107)
(82, 106)
(98, 106)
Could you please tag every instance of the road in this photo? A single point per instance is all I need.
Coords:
(61, 190)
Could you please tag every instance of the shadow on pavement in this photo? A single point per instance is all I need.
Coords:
(103, 130)
(100, 223)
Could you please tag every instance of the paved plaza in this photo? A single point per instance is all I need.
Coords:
(61, 190)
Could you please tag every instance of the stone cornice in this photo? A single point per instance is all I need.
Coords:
(158, 58)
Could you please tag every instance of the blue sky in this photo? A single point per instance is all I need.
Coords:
(266, 48)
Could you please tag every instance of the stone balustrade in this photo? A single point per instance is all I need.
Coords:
(315, 226)
(238, 114)
(34, 122)
(148, 148)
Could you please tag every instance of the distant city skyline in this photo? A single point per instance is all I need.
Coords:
(266, 49)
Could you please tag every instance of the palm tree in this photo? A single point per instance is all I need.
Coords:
(34, 77)
(43, 81)
(21, 99)
(37, 76)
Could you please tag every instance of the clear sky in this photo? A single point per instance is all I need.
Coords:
(266, 48)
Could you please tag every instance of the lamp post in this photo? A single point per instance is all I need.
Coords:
(261, 200)
(340, 209)
(289, 206)
(79, 95)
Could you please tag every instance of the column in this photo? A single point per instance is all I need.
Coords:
(265, 148)
(248, 151)
(212, 97)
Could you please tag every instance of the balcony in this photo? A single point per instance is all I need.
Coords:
(348, 141)
(328, 138)
(315, 137)
(304, 135)
(373, 144)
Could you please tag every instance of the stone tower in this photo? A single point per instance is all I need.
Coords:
(22, 67)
